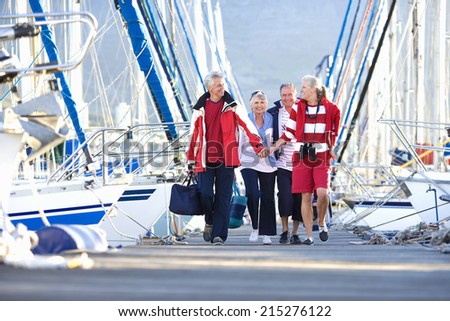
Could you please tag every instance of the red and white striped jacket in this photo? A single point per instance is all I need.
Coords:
(295, 127)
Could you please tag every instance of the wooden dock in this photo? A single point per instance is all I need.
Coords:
(239, 270)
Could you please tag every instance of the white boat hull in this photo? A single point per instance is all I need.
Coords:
(426, 188)
(67, 202)
(126, 212)
(141, 205)
(11, 145)
(394, 215)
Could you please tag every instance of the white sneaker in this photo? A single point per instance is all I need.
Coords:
(266, 239)
(253, 236)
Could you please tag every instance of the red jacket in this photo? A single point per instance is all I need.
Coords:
(233, 116)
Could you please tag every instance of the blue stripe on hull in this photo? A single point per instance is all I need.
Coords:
(59, 210)
(134, 198)
(86, 218)
(139, 191)
(136, 195)
(386, 204)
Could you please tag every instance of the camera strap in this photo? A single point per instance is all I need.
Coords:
(313, 117)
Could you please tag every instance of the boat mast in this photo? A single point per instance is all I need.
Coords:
(147, 65)
(418, 50)
(366, 85)
(52, 53)
(442, 54)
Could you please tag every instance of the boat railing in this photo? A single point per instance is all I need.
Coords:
(358, 183)
(17, 28)
(43, 111)
(424, 156)
(139, 150)
(363, 180)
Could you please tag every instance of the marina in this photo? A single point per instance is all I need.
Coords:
(93, 180)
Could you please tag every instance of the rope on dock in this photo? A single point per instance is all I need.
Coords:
(441, 239)
(426, 234)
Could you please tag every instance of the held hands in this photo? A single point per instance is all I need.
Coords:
(263, 153)
(267, 151)
(272, 149)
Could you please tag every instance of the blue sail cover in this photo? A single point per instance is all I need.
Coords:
(447, 151)
(53, 55)
(157, 40)
(146, 62)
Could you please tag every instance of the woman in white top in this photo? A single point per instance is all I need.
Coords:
(259, 173)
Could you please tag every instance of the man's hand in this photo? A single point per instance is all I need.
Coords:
(272, 149)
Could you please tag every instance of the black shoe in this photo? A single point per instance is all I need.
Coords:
(323, 235)
(284, 237)
(217, 241)
(207, 233)
(295, 239)
(308, 241)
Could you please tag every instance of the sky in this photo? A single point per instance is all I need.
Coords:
(271, 42)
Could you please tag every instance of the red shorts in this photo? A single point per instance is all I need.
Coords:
(306, 179)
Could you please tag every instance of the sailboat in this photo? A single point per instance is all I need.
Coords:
(135, 117)
(388, 68)
(30, 127)
(428, 185)
(57, 203)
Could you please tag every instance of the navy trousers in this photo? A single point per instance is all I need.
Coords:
(288, 204)
(260, 192)
(216, 190)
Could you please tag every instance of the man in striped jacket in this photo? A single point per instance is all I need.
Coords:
(314, 127)
(288, 203)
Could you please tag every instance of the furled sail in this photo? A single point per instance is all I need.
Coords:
(146, 64)
(52, 52)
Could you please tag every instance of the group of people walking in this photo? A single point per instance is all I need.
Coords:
(289, 146)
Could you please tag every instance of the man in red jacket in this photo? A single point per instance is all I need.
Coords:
(213, 150)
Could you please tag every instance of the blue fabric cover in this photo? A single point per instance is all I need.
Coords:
(61, 238)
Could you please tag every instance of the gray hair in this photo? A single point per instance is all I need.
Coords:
(209, 78)
(288, 85)
(258, 94)
(315, 82)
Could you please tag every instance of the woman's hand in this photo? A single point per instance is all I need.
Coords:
(264, 152)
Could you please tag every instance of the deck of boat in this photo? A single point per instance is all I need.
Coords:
(239, 270)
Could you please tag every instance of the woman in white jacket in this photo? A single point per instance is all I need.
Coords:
(259, 173)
